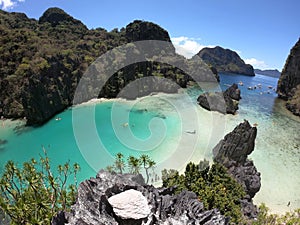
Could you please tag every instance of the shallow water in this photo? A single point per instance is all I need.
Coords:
(173, 130)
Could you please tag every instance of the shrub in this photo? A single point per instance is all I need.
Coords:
(32, 194)
(213, 186)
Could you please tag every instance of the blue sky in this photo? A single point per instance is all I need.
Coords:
(262, 32)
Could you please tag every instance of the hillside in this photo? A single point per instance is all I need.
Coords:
(225, 60)
(43, 60)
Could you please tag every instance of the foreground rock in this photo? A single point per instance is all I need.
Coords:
(288, 87)
(225, 60)
(125, 199)
(232, 152)
(224, 102)
(130, 204)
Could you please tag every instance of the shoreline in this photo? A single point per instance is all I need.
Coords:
(208, 138)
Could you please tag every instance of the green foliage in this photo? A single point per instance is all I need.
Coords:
(119, 162)
(213, 185)
(133, 164)
(266, 218)
(32, 194)
(147, 164)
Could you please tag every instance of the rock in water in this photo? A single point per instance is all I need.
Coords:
(233, 92)
(232, 152)
(236, 145)
(130, 204)
(288, 87)
(223, 102)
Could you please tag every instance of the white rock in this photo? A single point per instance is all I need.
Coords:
(130, 204)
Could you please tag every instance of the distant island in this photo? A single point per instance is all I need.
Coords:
(270, 73)
(225, 60)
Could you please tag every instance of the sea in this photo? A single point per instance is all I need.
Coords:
(173, 130)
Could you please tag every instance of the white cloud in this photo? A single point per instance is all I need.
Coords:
(258, 64)
(188, 47)
(9, 4)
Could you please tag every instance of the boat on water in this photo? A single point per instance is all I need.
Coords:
(191, 132)
(241, 83)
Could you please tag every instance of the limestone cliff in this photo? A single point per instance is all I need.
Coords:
(232, 152)
(289, 82)
(225, 60)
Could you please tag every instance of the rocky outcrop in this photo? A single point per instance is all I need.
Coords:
(56, 16)
(99, 202)
(288, 87)
(225, 60)
(232, 152)
(224, 102)
(142, 30)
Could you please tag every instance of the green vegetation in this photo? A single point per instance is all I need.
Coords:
(32, 194)
(213, 185)
(265, 218)
(134, 165)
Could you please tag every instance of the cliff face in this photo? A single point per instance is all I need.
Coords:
(289, 82)
(232, 152)
(43, 60)
(225, 60)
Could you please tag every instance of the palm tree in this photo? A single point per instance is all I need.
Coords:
(134, 164)
(119, 162)
(147, 164)
(76, 168)
(110, 169)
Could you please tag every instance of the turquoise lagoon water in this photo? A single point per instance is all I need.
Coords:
(173, 130)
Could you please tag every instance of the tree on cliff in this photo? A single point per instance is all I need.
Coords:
(147, 164)
(134, 164)
(213, 186)
(119, 162)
